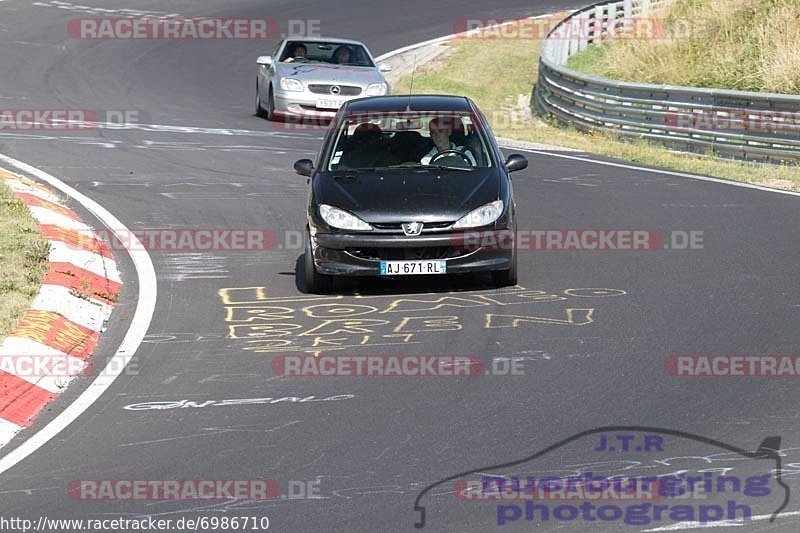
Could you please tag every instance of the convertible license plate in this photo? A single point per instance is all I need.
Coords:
(329, 104)
(408, 268)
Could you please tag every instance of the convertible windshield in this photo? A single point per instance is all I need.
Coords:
(337, 53)
(409, 140)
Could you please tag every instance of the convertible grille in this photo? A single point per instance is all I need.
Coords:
(345, 90)
(401, 254)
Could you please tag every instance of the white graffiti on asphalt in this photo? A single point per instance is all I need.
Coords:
(186, 404)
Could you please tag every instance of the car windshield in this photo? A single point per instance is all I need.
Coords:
(336, 53)
(407, 140)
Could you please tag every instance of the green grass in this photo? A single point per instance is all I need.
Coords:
(746, 45)
(23, 259)
(587, 60)
(499, 75)
(480, 69)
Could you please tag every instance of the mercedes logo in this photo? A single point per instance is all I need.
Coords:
(335, 89)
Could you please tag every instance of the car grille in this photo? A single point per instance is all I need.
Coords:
(404, 254)
(397, 227)
(345, 90)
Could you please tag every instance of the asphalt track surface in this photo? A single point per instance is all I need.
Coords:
(598, 365)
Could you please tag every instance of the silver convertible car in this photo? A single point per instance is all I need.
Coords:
(313, 77)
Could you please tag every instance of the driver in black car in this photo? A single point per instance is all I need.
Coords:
(441, 128)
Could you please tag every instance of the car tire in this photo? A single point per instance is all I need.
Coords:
(270, 115)
(260, 111)
(315, 282)
(506, 278)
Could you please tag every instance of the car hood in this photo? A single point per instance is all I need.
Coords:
(323, 73)
(406, 196)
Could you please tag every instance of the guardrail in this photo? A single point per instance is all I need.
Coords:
(732, 124)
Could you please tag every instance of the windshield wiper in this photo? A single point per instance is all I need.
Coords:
(424, 166)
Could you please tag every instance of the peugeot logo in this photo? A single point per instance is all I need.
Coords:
(412, 229)
(335, 89)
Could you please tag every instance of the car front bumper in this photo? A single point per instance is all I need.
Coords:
(302, 104)
(343, 254)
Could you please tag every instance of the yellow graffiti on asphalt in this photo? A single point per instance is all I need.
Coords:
(317, 324)
(251, 314)
(260, 331)
(575, 317)
(345, 326)
(420, 324)
(337, 310)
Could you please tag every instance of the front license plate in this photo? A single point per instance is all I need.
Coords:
(408, 268)
(329, 104)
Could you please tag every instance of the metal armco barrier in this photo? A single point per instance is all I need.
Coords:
(731, 124)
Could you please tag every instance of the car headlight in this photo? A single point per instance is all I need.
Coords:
(338, 218)
(483, 216)
(291, 84)
(376, 89)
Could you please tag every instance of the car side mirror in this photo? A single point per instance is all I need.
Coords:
(264, 60)
(304, 167)
(516, 162)
(385, 67)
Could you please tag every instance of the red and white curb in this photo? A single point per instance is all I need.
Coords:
(54, 340)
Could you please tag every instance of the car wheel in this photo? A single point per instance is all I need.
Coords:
(270, 105)
(316, 283)
(260, 112)
(506, 278)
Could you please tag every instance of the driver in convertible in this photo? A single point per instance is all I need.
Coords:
(441, 128)
(299, 51)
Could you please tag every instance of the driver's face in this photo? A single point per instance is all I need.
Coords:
(300, 51)
(441, 138)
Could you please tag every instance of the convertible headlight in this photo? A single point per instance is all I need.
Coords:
(291, 84)
(337, 218)
(483, 216)
(376, 89)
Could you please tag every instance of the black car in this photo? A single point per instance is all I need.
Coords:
(409, 185)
